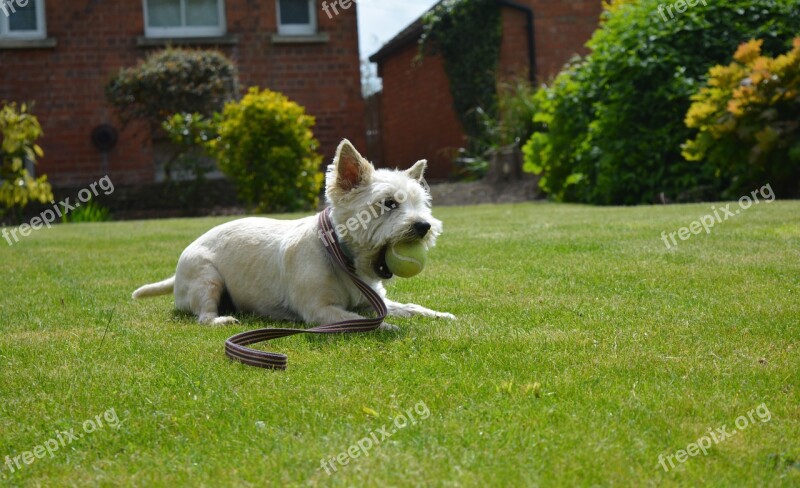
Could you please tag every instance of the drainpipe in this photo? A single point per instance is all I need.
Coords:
(530, 28)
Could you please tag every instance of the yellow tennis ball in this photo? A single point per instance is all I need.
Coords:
(406, 259)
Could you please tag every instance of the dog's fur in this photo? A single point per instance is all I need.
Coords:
(280, 269)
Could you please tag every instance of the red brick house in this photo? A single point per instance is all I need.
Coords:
(417, 115)
(61, 54)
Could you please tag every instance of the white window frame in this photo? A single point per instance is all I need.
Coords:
(298, 29)
(185, 31)
(41, 27)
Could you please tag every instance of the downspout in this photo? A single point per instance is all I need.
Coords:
(531, 38)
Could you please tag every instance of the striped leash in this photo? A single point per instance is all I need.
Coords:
(235, 347)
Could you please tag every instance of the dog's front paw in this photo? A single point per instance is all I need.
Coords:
(225, 321)
(216, 321)
(389, 327)
(411, 309)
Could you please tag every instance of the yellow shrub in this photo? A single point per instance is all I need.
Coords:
(19, 130)
(748, 118)
(266, 146)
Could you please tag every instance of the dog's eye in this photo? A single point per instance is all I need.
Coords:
(391, 203)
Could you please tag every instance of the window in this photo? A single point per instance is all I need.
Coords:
(297, 17)
(184, 18)
(22, 19)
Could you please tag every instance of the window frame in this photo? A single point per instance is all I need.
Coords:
(309, 29)
(41, 25)
(183, 30)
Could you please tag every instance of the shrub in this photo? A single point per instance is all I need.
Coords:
(748, 116)
(515, 112)
(190, 134)
(610, 127)
(173, 81)
(188, 160)
(266, 146)
(512, 125)
(88, 212)
(20, 130)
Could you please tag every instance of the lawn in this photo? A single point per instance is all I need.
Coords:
(585, 353)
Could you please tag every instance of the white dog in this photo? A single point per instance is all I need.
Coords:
(280, 269)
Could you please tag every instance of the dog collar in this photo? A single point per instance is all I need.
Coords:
(330, 238)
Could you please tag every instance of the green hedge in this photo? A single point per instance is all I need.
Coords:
(610, 126)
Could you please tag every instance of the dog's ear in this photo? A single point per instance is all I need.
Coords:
(352, 170)
(418, 170)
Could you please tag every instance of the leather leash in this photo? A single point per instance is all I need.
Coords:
(235, 347)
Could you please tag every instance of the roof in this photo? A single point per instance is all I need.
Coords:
(413, 32)
(406, 36)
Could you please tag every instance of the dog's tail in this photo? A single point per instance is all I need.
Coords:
(155, 289)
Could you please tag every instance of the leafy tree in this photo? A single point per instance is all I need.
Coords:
(173, 81)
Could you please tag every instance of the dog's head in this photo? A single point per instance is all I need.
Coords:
(373, 208)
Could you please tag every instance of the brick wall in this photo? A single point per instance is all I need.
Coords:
(562, 29)
(95, 39)
(514, 55)
(418, 119)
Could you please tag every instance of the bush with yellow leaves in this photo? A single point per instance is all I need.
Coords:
(748, 117)
(19, 130)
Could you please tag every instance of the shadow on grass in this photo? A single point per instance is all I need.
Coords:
(251, 321)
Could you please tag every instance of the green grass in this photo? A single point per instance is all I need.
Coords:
(639, 350)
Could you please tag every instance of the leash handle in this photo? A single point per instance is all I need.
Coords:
(236, 346)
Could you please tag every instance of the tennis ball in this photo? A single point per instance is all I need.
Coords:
(406, 259)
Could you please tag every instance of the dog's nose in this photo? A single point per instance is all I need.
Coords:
(421, 228)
